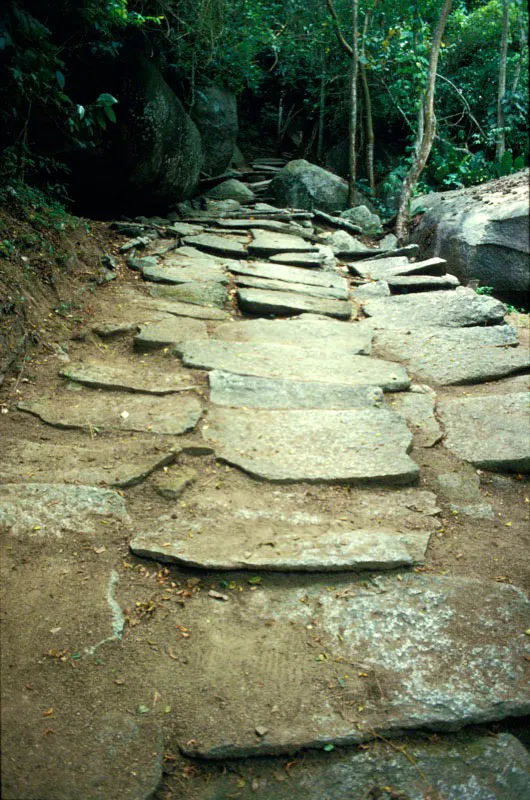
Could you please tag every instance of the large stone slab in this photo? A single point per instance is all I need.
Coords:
(421, 283)
(43, 509)
(93, 411)
(200, 294)
(399, 265)
(184, 309)
(417, 409)
(192, 257)
(169, 331)
(228, 389)
(405, 652)
(297, 288)
(325, 364)
(352, 446)
(292, 551)
(167, 274)
(457, 309)
(455, 356)
(280, 272)
(303, 331)
(284, 304)
(321, 257)
(134, 377)
(464, 766)
(491, 431)
(265, 224)
(267, 244)
(118, 463)
(217, 245)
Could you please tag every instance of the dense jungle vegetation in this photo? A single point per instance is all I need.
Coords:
(290, 64)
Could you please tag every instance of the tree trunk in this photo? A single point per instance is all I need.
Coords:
(353, 103)
(368, 118)
(501, 89)
(425, 132)
(321, 106)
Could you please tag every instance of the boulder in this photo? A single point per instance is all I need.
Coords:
(215, 115)
(482, 231)
(303, 185)
(363, 217)
(231, 189)
(159, 149)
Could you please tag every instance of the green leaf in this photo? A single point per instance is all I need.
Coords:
(328, 748)
(60, 79)
(519, 163)
(506, 163)
(254, 580)
(106, 99)
(80, 111)
(110, 114)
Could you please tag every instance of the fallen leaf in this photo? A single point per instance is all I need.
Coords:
(48, 713)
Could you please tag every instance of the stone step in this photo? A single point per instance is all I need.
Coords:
(92, 411)
(401, 652)
(280, 272)
(400, 266)
(267, 244)
(168, 332)
(325, 364)
(297, 288)
(175, 274)
(321, 257)
(217, 245)
(132, 377)
(490, 431)
(302, 331)
(318, 446)
(421, 283)
(464, 766)
(111, 462)
(456, 356)
(201, 294)
(457, 309)
(285, 304)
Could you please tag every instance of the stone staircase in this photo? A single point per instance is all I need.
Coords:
(250, 413)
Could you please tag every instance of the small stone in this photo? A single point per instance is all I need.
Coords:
(261, 730)
(171, 485)
(217, 595)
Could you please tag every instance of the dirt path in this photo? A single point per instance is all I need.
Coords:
(265, 531)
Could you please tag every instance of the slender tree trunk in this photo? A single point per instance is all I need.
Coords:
(368, 118)
(501, 89)
(322, 105)
(425, 132)
(353, 103)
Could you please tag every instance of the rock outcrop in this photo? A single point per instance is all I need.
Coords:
(215, 115)
(482, 230)
(304, 185)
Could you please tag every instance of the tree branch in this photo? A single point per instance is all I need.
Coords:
(338, 30)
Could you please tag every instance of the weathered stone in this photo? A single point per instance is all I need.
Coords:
(269, 243)
(184, 228)
(129, 378)
(228, 389)
(187, 256)
(274, 225)
(166, 274)
(217, 245)
(321, 364)
(362, 216)
(171, 485)
(138, 264)
(279, 272)
(285, 286)
(214, 112)
(369, 290)
(43, 509)
(440, 653)
(388, 242)
(114, 463)
(302, 331)
(353, 446)
(249, 547)
(462, 490)
(303, 185)
(452, 356)
(388, 268)
(285, 304)
(178, 309)
(421, 283)
(169, 331)
(232, 189)
(460, 308)
(321, 257)
(110, 330)
(417, 409)
(491, 431)
(117, 412)
(200, 294)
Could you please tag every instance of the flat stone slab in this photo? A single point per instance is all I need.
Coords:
(217, 245)
(297, 288)
(192, 257)
(184, 309)
(388, 268)
(405, 652)
(322, 365)
(302, 331)
(228, 389)
(280, 272)
(44, 509)
(169, 331)
(134, 377)
(320, 257)
(93, 411)
(462, 766)
(456, 356)
(457, 309)
(176, 275)
(421, 283)
(352, 446)
(417, 409)
(265, 224)
(267, 244)
(264, 301)
(119, 463)
(370, 290)
(200, 294)
(490, 431)
(292, 551)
